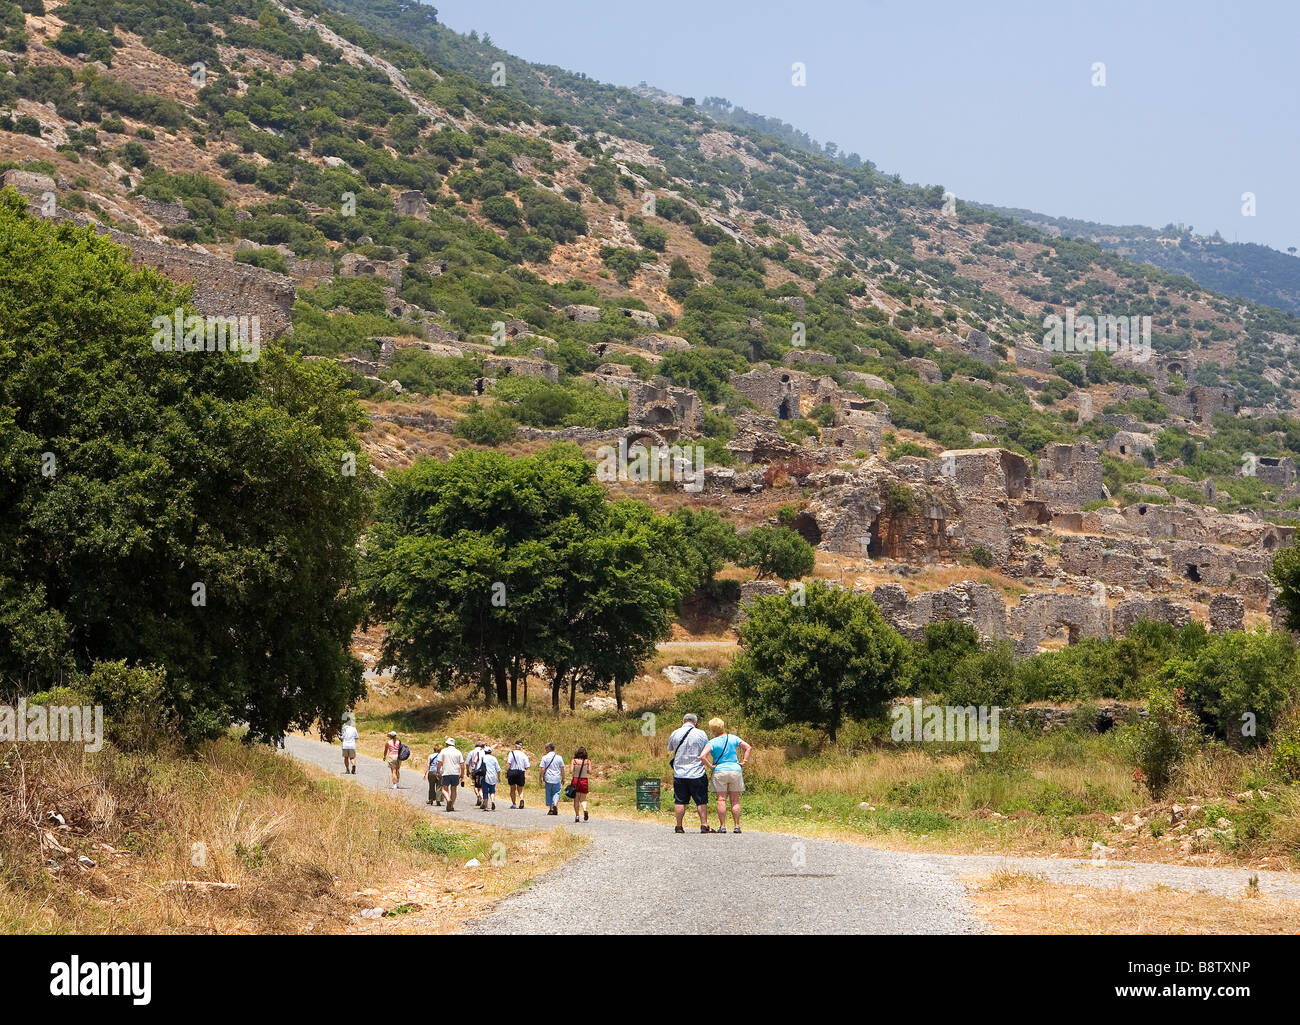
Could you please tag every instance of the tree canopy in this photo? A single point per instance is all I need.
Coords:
(484, 566)
(187, 510)
(819, 661)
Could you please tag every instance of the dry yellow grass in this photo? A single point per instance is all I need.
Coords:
(233, 839)
(1026, 903)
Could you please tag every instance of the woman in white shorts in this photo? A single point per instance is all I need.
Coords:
(726, 754)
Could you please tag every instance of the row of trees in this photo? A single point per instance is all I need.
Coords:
(492, 568)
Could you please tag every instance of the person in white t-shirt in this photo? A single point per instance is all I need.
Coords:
(552, 769)
(451, 763)
(349, 737)
(473, 769)
(517, 774)
(489, 777)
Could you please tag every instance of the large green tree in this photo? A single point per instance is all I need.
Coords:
(818, 657)
(484, 566)
(189, 510)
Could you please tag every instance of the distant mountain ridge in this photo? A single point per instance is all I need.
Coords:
(1258, 273)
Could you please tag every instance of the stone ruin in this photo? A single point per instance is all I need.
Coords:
(1070, 475)
(871, 513)
(221, 288)
(777, 393)
(641, 317)
(967, 602)
(354, 265)
(582, 314)
(1274, 471)
(994, 474)
(671, 411)
(659, 343)
(977, 345)
(411, 204)
(497, 367)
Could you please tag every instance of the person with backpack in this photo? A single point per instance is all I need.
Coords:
(690, 781)
(474, 770)
(579, 781)
(349, 737)
(517, 774)
(433, 775)
(552, 770)
(490, 770)
(395, 753)
(726, 754)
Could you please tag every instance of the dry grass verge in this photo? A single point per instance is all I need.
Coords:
(1026, 903)
(234, 839)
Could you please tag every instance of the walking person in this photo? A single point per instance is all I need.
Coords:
(349, 737)
(517, 774)
(552, 770)
(393, 756)
(490, 772)
(433, 774)
(451, 764)
(690, 780)
(726, 754)
(580, 781)
(473, 769)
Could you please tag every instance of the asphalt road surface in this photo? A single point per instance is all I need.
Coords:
(640, 877)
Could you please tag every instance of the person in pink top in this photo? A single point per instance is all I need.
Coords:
(393, 756)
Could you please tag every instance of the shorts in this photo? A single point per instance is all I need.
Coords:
(694, 789)
(349, 752)
(451, 781)
(580, 785)
(516, 777)
(394, 763)
(729, 782)
(488, 788)
(552, 794)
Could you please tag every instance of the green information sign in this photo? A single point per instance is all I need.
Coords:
(647, 794)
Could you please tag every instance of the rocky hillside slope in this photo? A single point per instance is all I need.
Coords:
(511, 254)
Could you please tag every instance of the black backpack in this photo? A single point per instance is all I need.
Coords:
(403, 752)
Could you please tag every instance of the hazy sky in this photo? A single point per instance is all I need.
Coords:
(993, 100)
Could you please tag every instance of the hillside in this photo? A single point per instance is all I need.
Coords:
(1254, 272)
(553, 258)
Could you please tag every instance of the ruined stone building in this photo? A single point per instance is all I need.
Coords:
(672, 412)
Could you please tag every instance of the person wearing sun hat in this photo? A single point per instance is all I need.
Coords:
(451, 764)
(491, 775)
(393, 756)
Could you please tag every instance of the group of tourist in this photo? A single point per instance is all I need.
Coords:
(692, 755)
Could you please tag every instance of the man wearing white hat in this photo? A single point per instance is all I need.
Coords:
(451, 763)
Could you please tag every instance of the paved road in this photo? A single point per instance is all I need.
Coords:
(637, 877)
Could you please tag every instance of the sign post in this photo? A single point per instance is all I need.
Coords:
(647, 793)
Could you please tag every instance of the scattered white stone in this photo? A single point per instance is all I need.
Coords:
(373, 913)
(684, 676)
(472, 863)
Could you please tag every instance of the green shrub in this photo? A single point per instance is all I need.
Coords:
(1237, 683)
(1162, 741)
(987, 677)
(777, 552)
(486, 425)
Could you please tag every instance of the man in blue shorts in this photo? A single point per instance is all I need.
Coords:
(690, 780)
